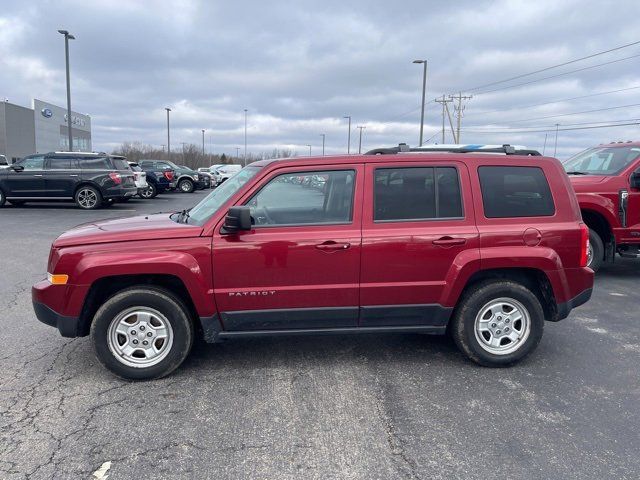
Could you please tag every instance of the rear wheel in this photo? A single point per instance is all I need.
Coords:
(595, 255)
(150, 192)
(3, 199)
(88, 198)
(498, 323)
(185, 185)
(142, 333)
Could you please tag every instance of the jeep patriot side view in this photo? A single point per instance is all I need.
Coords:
(484, 246)
(606, 180)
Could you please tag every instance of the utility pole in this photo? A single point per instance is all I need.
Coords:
(445, 109)
(349, 136)
(183, 144)
(163, 148)
(424, 88)
(245, 138)
(168, 135)
(555, 146)
(360, 142)
(323, 138)
(67, 37)
(238, 153)
(544, 147)
(459, 110)
(309, 149)
(203, 142)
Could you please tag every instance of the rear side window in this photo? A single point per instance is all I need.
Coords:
(515, 192)
(62, 163)
(120, 164)
(94, 163)
(417, 193)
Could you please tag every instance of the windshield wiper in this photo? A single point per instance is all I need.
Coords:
(576, 173)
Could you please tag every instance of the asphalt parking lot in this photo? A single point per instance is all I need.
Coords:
(368, 407)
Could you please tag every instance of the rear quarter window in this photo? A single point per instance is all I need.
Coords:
(515, 192)
(94, 163)
(120, 164)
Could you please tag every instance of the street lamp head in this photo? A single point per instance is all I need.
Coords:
(347, 116)
(63, 32)
(167, 109)
(419, 61)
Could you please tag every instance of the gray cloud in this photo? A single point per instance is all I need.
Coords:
(300, 66)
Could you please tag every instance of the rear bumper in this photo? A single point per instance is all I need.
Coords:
(564, 309)
(120, 192)
(67, 326)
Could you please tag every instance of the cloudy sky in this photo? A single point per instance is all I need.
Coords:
(299, 67)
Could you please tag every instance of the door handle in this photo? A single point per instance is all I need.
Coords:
(73, 175)
(331, 246)
(37, 175)
(449, 241)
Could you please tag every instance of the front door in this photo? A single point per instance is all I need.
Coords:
(418, 229)
(28, 182)
(298, 268)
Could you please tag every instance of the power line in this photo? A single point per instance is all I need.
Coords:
(534, 127)
(494, 132)
(554, 66)
(484, 112)
(569, 114)
(559, 75)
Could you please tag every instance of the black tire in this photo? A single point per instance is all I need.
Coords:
(160, 300)
(3, 198)
(108, 203)
(597, 251)
(150, 192)
(186, 186)
(471, 304)
(92, 196)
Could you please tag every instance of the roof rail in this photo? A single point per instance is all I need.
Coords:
(471, 148)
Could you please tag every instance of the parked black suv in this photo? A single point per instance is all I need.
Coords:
(91, 180)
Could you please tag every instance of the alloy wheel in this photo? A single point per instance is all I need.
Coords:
(502, 326)
(87, 198)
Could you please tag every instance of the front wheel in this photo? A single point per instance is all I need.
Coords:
(142, 333)
(3, 198)
(185, 185)
(498, 323)
(88, 198)
(150, 192)
(595, 254)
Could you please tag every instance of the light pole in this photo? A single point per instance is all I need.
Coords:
(424, 88)
(349, 136)
(67, 37)
(245, 138)
(555, 145)
(360, 142)
(323, 135)
(203, 142)
(309, 149)
(238, 152)
(168, 135)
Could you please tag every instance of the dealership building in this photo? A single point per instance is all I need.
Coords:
(40, 129)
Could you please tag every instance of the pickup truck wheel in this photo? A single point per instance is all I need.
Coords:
(142, 333)
(595, 255)
(88, 198)
(498, 323)
(185, 185)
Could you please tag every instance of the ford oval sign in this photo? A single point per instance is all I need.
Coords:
(47, 113)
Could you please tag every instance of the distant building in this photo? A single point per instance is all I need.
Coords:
(40, 129)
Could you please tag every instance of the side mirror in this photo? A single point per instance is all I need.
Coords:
(634, 181)
(17, 168)
(237, 219)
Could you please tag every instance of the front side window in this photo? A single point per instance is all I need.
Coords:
(304, 198)
(32, 163)
(601, 160)
(515, 192)
(417, 193)
(61, 163)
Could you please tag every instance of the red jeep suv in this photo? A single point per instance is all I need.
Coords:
(484, 246)
(606, 179)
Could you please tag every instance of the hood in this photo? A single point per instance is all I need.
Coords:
(144, 227)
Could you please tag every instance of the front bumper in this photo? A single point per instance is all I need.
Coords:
(67, 326)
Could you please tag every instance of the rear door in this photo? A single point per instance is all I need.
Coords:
(61, 176)
(28, 182)
(418, 231)
(299, 267)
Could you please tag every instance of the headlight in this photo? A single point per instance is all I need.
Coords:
(195, 177)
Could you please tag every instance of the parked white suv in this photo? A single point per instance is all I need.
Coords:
(3, 162)
(225, 172)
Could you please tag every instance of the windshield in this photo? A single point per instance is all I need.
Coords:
(601, 160)
(209, 205)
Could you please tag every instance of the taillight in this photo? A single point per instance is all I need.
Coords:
(584, 245)
(168, 175)
(115, 176)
